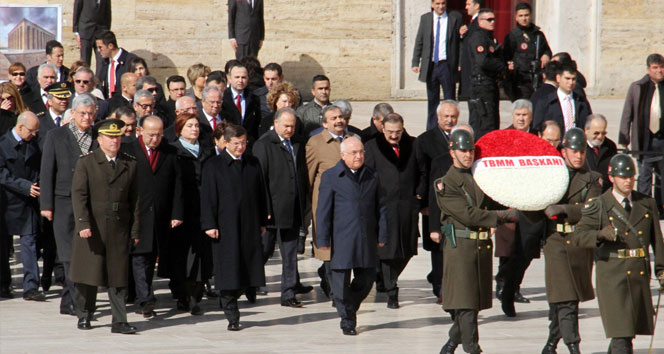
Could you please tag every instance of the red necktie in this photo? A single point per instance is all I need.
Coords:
(396, 149)
(111, 80)
(596, 150)
(238, 103)
(46, 104)
(214, 123)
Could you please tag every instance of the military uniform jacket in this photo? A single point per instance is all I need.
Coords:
(467, 270)
(105, 200)
(568, 268)
(521, 46)
(486, 59)
(623, 285)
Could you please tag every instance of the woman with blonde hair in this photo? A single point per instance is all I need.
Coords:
(197, 74)
(283, 94)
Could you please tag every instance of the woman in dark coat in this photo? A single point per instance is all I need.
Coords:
(392, 155)
(190, 248)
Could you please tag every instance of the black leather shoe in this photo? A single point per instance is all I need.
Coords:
(250, 293)
(292, 302)
(209, 293)
(182, 305)
(300, 244)
(349, 331)
(45, 283)
(303, 289)
(520, 298)
(261, 290)
(123, 328)
(550, 346)
(196, 310)
(34, 295)
(233, 326)
(393, 302)
(6, 293)
(508, 308)
(68, 310)
(84, 323)
(573, 348)
(449, 347)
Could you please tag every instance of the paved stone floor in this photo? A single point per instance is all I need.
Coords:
(419, 326)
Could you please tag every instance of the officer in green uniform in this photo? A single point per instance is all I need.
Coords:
(468, 249)
(105, 202)
(621, 224)
(568, 268)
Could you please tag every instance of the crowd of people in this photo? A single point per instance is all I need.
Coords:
(107, 176)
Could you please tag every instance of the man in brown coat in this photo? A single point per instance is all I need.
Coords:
(468, 248)
(322, 153)
(106, 214)
(567, 267)
(621, 224)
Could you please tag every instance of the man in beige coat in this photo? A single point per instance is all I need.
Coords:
(322, 152)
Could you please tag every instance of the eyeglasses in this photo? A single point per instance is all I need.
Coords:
(152, 89)
(17, 73)
(145, 106)
(85, 82)
(31, 131)
(490, 19)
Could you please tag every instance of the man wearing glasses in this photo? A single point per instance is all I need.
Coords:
(486, 66)
(84, 82)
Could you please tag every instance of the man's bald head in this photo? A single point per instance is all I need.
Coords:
(185, 104)
(27, 125)
(152, 130)
(128, 81)
(152, 122)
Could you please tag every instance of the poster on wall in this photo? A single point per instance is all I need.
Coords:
(24, 31)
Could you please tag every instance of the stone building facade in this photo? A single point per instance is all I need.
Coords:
(27, 35)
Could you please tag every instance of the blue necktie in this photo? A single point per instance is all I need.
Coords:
(57, 121)
(288, 146)
(435, 46)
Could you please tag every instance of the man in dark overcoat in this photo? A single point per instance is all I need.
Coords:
(621, 224)
(234, 215)
(392, 156)
(351, 214)
(568, 268)
(105, 201)
(62, 148)
(19, 186)
(161, 209)
(466, 216)
(282, 159)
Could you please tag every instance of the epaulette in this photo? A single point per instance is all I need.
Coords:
(131, 157)
(40, 113)
(591, 207)
(87, 153)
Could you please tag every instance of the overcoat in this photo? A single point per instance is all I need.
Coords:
(105, 200)
(623, 285)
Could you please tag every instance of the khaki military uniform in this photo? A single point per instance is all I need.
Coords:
(623, 270)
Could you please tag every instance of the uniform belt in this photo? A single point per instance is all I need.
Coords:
(628, 253)
(473, 235)
(564, 228)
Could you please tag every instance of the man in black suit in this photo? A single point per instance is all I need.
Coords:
(90, 17)
(46, 76)
(283, 164)
(160, 209)
(600, 149)
(240, 106)
(19, 189)
(565, 106)
(58, 101)
(436, 54)
(116, 63)
(84, 82)
(62, 148)
(128, 82)
(473, 8)
(176, 87)
(550, 85)
(246, 27)
(428, 146)
(55, 55)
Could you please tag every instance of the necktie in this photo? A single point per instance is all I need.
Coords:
(45, 99)
(340, 138)
(655, 111)
(213, 123)
(112, 162)
(569, 114)
(396, 149)
(288, 146)
(111, 80)
(436, 42)
(149, 152)
(238, 103)
(628, 205)
(596, 150)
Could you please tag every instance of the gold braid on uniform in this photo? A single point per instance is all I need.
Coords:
(131, 157)
(591, 207)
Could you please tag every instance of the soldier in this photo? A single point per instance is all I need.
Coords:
(567, 267)
(621, 223)
(526, 52)
(486, 66)
(468, 249)
(105, 202)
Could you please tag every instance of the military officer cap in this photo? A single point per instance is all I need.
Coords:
(622, 165)
(461, 139)
(575, 139)
(109, 127)
(60, 90)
